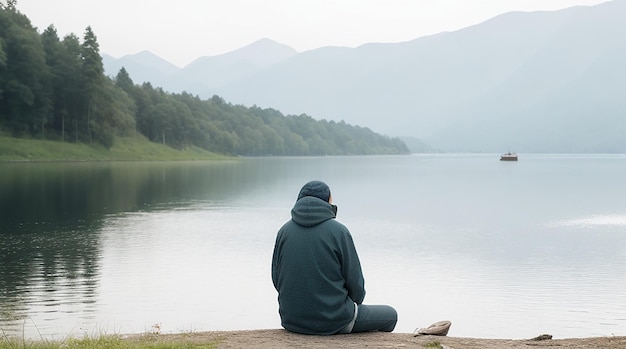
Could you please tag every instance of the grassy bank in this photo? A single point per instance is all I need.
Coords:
(124, 149)
(110, 342)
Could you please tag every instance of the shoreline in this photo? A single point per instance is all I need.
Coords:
(280, 338)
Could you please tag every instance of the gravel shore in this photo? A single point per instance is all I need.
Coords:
(278, 338)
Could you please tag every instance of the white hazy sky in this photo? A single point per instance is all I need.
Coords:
(183, 30)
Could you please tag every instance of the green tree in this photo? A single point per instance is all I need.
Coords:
(55, 60)
(119, 117)
(25, 77)
(93, 83)
(123, 81)
(72, 95)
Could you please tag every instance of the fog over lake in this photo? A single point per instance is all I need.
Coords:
(506, 250)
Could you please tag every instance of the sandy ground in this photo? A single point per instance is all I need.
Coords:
(278, 338)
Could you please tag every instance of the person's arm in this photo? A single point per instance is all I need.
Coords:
(351, 270)
(275, 261)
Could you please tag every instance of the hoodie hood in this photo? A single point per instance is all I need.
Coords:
(310, 211)
(318, 189)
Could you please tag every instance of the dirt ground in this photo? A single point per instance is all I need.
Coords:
(278, 338)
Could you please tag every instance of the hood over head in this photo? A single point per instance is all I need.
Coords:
(312, 206)
(317, 189)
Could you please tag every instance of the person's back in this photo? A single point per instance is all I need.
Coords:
(317, 272)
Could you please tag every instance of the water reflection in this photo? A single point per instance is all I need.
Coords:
(75, 192)
(52, 219)
(47, 270)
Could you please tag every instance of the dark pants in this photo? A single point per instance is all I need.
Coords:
(375, 318)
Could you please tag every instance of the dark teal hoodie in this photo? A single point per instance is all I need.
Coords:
(316, 270)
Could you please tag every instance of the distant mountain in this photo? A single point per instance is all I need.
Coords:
(205, 74)
(522, 81)
(216, 71)
(537, 81)
(143, 66)
(568, 94)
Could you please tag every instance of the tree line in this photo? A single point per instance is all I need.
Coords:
(53, 88)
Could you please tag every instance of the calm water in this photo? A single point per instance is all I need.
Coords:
(500, 249)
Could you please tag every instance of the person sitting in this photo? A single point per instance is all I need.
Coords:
(317, 272)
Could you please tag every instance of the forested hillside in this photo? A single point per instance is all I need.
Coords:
(53, 88)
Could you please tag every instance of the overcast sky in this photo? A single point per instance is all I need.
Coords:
(183, 30)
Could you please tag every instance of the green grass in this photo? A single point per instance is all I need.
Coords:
(124, 149)
(110, 342)
(433, 345)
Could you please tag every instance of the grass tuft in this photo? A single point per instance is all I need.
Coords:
(107, 342)
(433, 345)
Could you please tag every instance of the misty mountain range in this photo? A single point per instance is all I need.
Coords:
(522, 81)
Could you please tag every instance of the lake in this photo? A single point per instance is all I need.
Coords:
(501, 249)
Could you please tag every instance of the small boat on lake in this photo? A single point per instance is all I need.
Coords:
(508, 157)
